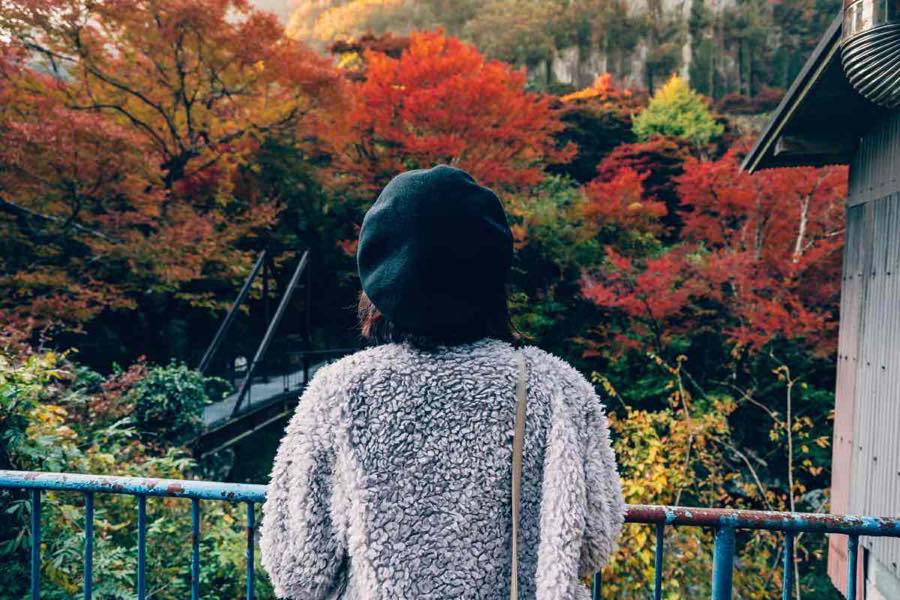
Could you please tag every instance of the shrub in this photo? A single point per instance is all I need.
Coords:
(767, 99)
(168, 403)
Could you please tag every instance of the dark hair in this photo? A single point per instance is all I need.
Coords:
(375, 328)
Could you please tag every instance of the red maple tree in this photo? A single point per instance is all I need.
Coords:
(441, 101)
(622, 202)
(774, 239)
(764, 248)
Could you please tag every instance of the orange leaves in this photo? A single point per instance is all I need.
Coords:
(610, 97)
(123, 175)
(191, 77)
(443, 102)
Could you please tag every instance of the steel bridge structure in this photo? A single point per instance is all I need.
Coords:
(267, 386)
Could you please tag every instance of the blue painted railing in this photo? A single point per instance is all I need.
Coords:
(723, 522)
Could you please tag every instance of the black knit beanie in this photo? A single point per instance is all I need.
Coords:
(434, 251)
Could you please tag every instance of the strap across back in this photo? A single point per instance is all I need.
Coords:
(518, 443)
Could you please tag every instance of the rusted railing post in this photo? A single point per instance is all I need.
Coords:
(35, 544)
(251, 535)
(788, 565)
(195, 549)
(658, 561)
(142, 547)
(723, 563)
(852, 557)
(88, 545)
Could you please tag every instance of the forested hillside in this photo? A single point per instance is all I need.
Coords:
(721, 46)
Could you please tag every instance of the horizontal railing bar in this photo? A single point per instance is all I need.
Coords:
(138, 486)
(759, 519)
(635, 513)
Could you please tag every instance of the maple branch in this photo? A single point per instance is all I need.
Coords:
(830, 234)
(690, 424)
(181, 93)
(134, 120)
(759, 484)
(801, 229)
(744, 395)
(88, 64)
(654, 325)
(22, 211)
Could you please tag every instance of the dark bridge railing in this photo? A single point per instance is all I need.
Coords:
(724, 522)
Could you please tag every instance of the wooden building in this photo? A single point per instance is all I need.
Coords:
(826, 118)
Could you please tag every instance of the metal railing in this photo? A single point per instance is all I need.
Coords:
(722, 521)
(141, 488)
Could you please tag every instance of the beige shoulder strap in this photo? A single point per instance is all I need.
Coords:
(518, 443)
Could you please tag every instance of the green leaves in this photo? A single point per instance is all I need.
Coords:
(168, 403)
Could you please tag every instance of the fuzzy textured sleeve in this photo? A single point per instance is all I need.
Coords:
(605, 510)
(299, 545)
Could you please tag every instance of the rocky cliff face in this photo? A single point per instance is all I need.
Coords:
(720, 46)
(579, 67)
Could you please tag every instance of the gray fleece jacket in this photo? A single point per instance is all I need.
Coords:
(393, 479)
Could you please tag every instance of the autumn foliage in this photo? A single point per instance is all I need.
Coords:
(120, 153)
(441, 101)
(764, 248)
(774, 239)
(151, 149)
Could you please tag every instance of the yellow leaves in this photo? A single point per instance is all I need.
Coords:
(606, 384)
(822, 441)
(802, 423)
(351, 18)
(349, 60)
(661, 452)
(673, 90)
